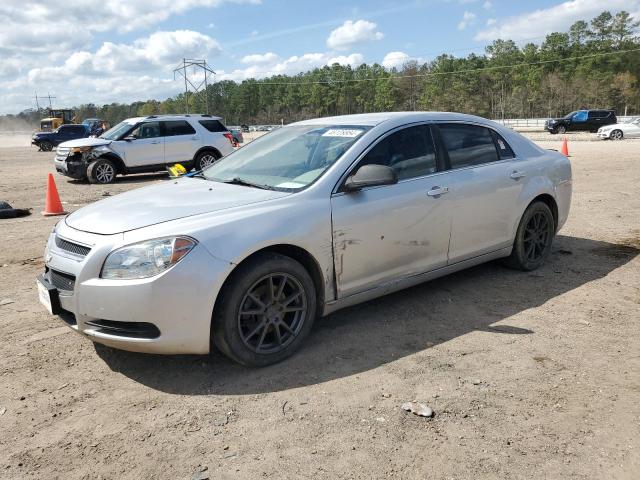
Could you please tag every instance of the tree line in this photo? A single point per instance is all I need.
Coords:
(596, 64)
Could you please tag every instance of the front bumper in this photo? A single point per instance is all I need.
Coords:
(168, 314)
(603, 135)
(74, 166)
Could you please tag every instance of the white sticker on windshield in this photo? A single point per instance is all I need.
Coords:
(341, 132)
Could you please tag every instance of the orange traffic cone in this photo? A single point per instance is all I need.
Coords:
(52, 204)
(565, 147)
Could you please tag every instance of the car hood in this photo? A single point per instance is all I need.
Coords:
(86, 142)
(165, 202)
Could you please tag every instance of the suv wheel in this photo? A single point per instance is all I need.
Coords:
(206, 158)
(616, 135)
(265, 311)
(533, 238)
(46, 146)
(101, 171)
(561, 129)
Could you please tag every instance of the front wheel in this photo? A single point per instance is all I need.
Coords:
(46, 146)
(101, 171)
(534, 237)
(561, 129)
(616, 135)
(265, 310)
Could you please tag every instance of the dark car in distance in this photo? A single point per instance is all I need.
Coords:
(581, 121)
(45, 141)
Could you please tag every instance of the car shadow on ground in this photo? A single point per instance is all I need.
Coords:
(372, 334)
(131, 178)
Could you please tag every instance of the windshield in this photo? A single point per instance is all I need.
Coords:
(116, 132)
(570, 115)
(288, 158)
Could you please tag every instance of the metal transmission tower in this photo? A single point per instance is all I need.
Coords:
(198, 65)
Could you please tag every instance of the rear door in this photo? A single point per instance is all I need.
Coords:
(485, 181)
(388, 232)
(180, 141)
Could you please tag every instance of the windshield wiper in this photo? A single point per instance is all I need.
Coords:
(198, 174)
(247, 183)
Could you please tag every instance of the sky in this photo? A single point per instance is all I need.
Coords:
(104, 51)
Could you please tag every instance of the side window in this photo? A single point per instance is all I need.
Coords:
(580, 116)
(178, 127)
(146, 130)
(468, 145)
(409, 152)
(504, 150)
(213, 125)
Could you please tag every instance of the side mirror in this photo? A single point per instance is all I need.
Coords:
(370, 176)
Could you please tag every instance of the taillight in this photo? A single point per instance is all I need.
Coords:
(228, 137)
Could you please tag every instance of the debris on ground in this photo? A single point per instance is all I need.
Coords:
(201, 473)
(6, 301)
(419, 409)
(2, 411)
(7, 211)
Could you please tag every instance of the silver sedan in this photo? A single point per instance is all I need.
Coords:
(311, 218)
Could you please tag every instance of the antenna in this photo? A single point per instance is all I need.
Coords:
(182, 70)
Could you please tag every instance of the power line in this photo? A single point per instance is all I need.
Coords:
(456, 72)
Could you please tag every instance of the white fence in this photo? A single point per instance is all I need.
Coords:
(537, 122)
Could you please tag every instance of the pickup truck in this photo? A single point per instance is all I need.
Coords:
(45, 141)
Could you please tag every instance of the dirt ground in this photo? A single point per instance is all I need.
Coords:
(530, 375)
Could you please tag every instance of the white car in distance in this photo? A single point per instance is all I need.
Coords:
(145, 144)
(619, 131)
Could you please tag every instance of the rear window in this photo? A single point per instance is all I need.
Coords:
(178, 127)
(213, 125)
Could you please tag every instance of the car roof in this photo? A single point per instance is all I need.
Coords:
(373, 119)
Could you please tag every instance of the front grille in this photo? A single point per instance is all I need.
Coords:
(125, 329)
(62, 281)
(74, 248)
(63, 151)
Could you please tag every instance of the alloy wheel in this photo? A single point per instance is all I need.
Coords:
(105, 173)
(206, 160)
(537, 234)
(272, 313)
(616, 135)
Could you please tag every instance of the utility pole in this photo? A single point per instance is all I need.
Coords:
(202, 86)
(50, 97)
(37, 103)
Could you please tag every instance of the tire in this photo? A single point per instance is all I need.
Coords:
(616, 135)
(534, 237)
(46, 146)
(102, 171)
(206, 158)
(561, 129)
(266, 333)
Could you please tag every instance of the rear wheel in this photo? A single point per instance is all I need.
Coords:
(265, 311)
(101, 171)
(533, 238)
(616, 135)
(206, 158)
(46, 146)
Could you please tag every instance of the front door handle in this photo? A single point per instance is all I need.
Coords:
(437, 191)
(516, 175)
(195, 138)
(155, 143)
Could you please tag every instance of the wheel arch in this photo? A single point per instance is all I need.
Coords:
(550, 202)
(207, 148)
(119, 163)
(302, 256)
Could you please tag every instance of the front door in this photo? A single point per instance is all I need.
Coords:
(144, 147)
(389, 232)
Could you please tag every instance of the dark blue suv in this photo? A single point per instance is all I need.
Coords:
(45, 141)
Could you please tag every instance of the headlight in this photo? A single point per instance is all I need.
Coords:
(80, 149)
(146, 259)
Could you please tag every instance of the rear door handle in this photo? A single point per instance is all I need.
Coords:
(155, 143)
(195, 138)
(516, 175)
(437, 191)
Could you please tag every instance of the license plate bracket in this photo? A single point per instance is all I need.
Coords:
(48, 296)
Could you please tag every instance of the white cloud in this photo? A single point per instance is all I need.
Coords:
(491, 21)
(352, 60)
(553, 19)
(488, 5)
(268, 57)
(395, 59)
(467, 19)
(351, 33)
